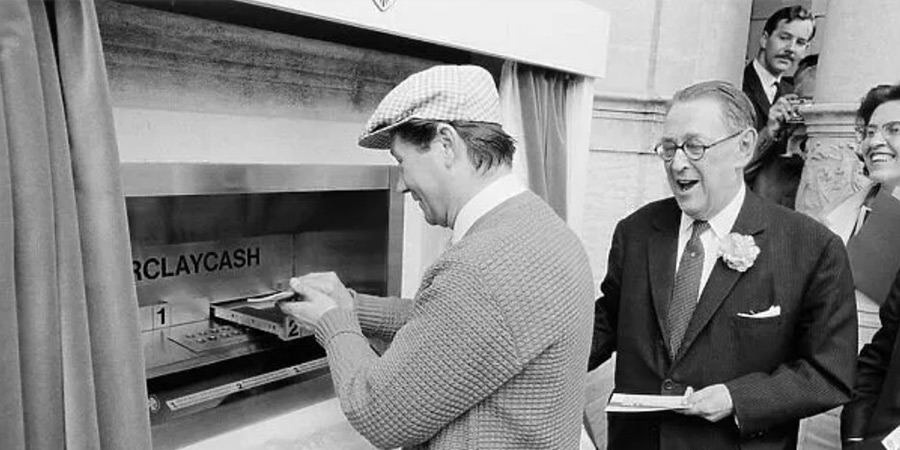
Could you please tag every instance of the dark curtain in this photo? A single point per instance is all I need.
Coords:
(542, 94)
(71, 364)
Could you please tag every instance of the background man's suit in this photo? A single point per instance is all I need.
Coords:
(770, 174)
(777, 369)
(875, 409)
(754, 89)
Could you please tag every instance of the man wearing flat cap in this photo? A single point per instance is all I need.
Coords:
(491, 352)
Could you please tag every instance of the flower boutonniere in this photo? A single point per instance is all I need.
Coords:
(738, 251)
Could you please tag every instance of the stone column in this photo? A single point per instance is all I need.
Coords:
(859, 42)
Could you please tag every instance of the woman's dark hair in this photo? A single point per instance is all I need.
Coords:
(873, 99)
(488, 145)
(876, 96)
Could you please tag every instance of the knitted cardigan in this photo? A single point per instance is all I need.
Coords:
(490, 354)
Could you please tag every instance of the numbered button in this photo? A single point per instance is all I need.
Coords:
(162, 315)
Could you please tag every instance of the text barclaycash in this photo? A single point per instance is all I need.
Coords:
(154, 267)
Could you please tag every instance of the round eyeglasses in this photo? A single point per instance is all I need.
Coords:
(889, 130)
(692, 149)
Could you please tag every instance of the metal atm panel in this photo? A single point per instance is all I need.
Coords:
(207, 237)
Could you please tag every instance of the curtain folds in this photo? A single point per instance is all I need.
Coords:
(71, 364)
(549, 114)
(542, 106)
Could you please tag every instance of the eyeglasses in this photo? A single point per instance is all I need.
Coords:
(890, 130)
(692, 149)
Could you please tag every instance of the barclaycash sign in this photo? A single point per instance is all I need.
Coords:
(154, 267)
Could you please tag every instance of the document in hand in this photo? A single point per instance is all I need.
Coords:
(892, 440)
(634, 403)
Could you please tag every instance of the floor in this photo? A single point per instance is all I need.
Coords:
(318, 427)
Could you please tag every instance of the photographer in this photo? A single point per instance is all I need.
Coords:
(774, 172)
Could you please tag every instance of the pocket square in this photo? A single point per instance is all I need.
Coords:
(773, 311)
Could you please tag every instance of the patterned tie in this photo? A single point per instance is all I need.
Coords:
(687, 287)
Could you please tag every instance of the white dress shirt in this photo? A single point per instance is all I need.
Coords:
(720, 226)
(769, 82)
(501, 190)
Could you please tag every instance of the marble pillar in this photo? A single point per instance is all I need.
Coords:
(858, 48)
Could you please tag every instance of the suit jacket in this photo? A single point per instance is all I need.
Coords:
(875, 409)
(754, 89)
(773, 176)
(776, 369)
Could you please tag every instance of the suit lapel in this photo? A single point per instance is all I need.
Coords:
(750, 221)
(754, 88)
(661, 251)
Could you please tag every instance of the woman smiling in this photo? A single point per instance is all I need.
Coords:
(878, 134)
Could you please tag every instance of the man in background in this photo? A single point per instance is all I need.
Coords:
(784, 41)
(776, 167)
(490, 353)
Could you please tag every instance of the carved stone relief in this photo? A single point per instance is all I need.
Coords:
(832, 172)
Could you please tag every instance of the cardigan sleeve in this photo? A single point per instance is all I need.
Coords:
(455, 350)
(381, 317)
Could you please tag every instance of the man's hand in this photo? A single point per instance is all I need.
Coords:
(311, 306)
(712, 403)
(327, 283)
(779, 114)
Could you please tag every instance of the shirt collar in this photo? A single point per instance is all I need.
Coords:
(501, 190)
(765, 77)
(722, 223)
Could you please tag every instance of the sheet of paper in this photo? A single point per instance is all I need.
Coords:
(892, 441)
(282, 295)
(634, 403)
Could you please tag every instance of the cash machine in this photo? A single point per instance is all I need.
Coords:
(210, 243)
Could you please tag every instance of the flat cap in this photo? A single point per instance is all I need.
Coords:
(444, 93)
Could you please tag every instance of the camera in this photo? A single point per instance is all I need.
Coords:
(798, 105)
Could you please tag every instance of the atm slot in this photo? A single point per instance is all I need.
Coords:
(265, 317)
(224, 390)
(234, 380)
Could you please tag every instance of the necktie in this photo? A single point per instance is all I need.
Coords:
(687, 287)
(776, 88)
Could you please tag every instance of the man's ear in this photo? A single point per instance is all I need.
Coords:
(450, 143)
(762, 43)
(747, 145)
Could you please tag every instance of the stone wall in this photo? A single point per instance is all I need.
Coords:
(188, 89)
(655, 48)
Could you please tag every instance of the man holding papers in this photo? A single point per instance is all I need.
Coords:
(743, 308)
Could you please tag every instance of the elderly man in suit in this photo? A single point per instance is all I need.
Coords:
(744, 308)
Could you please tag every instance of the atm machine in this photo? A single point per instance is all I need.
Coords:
(210, 242)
